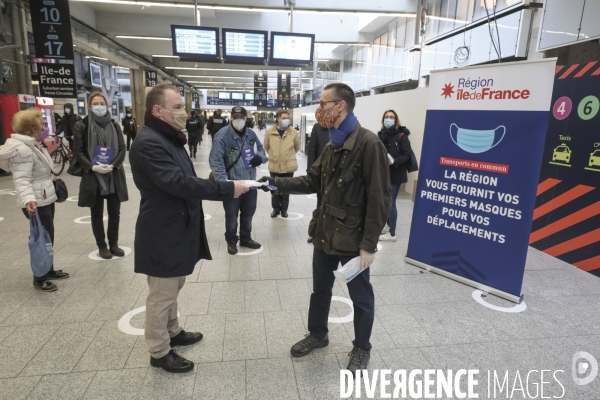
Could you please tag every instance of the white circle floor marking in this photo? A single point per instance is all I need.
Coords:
(1, 218)
(312, 196)
(129, 175)
(73, 198)
(347, 318)
(516, 309)
(11, 192)
(291, 216)
(199, 163)
(248, 253)
(264, 170)
(125, 322)
(80, 220)
(379, 247)
(207, 217)
(126, 165)
(94, 255)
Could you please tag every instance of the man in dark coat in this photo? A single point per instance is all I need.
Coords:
(216, 123)
(170, 237)
(194, 128)
(319, 137)
(353, 176)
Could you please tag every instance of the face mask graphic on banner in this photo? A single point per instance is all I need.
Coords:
(476, 141)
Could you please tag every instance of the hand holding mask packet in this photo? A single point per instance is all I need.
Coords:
(255, 185)
(349, 271)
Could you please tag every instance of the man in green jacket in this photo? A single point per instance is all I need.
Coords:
(352, 175)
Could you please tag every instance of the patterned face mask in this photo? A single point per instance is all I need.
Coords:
(325, 118)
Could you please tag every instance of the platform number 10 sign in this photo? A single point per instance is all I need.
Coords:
(151, 78)
(51, 21)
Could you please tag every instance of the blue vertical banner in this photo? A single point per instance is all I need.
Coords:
(482, 150)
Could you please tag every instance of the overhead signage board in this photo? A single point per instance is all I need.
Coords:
(195, 96)
(195, 43)
(284, 87)
(57, 80)
(244, 46)
(51, 22)
(181, 90)
(291, 48)
(150, 78)
(260, 88)
(483, 142)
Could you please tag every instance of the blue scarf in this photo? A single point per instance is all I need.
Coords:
(339, 136)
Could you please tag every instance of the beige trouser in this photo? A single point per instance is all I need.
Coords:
(161, 313)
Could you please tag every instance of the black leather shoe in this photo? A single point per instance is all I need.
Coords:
(45, 286)
(56, 275)
(232, 248)
(274, 214)
(172, 362)
(250, 244)
(308, 344)
(309, 240)
(359, 359)
(284, 214)
(184, 338)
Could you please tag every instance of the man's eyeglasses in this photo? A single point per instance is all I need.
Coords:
(322, 103)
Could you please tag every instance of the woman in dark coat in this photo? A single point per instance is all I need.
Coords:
(395, 138)
(67, 124)
(102, 181)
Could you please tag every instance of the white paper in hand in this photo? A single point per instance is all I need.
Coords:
(349, 271)
(255, 184)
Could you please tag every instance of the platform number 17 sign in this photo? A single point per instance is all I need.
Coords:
(51, 21)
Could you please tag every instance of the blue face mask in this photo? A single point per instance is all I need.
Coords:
(99, 111)
(285, 123)
(476, 141)
(388, 123)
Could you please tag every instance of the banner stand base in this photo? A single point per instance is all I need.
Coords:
(477, 285)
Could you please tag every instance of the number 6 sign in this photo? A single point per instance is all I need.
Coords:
(562, 108)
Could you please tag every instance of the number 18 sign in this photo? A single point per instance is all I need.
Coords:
(51, 21)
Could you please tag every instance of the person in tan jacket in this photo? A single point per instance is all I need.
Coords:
(281, 143)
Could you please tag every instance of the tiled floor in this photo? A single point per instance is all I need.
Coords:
(251, 309)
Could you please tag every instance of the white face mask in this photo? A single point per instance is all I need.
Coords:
(285, 123)
(67, 111)
(238, 124)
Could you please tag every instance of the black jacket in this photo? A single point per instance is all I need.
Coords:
(398, 146)
(170, 237)
(67, 122)
(129, 126)
(354, 183)
(215, 123)
(89, 183)
(194, 126)
(319, 137)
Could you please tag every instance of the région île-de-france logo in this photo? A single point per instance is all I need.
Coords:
(448, 90)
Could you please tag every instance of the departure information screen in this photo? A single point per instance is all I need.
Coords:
(224, 95)
(292, 47)
(237, 96)
(244, 44)
(194, 41)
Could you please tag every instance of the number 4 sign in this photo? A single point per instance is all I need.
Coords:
(562, 108)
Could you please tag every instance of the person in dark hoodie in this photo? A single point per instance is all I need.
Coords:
(67, 123)
(194, 127)
(129, 127)
(395, 138)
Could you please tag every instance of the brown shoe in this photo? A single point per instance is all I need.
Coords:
(117, 251)
(105, 253)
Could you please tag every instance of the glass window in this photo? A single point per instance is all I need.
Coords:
(433, 9)
(410, 32)
(464, 11)
(401, 33)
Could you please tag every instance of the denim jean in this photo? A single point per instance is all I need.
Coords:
(361, 294)
(244, 206)
(393, 218)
